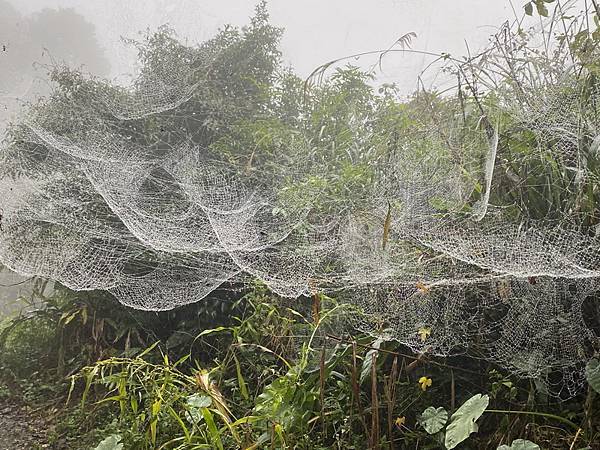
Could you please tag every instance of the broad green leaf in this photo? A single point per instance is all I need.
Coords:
(112, 442)
(520, 444)
(529, 9)
(433, 419)
(195, 403)
(199, 401)
(592, 374)
(462, 422)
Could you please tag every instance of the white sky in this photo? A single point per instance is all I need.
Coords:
(316, 30)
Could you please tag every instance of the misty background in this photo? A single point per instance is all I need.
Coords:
(86, 33)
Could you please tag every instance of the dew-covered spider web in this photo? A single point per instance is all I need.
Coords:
(459, 236)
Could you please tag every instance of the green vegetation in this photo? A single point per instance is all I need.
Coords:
(268, 376)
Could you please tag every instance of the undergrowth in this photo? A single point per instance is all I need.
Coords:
(264, 375)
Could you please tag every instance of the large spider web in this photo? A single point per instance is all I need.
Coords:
(87, 203)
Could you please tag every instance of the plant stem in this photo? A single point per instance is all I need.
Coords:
(535, 413)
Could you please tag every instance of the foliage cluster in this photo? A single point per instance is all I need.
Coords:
(269, 376)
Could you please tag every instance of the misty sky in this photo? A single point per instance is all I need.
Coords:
(316, 30)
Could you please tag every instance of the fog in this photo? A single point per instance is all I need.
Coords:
(315, 31)
(90, 35)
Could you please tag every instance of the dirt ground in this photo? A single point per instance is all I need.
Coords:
(20, 429)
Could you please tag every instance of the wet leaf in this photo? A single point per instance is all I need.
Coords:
(520, 444)
(433, 419)
(112, 442)
(592, 374)
(462, 422)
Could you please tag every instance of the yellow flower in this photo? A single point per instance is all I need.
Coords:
(425, 382)
(424, 333)
(400, 421)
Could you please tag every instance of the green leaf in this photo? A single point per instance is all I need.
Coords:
(433, 419)
(89, 378)
(195, 403)
(520, 444)
(462, 422)
(176, 417)
(112, 442)
(365, 370)
(155, 408)
(215, 437)
(541, 8)
(199, 401)
(148, 350)
(213, 330)
(528, 9)
(241, 382)
(592, 374)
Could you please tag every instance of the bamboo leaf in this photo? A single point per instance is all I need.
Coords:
(148, 350)
(241, 382)
(212, 428)
(154, 422)
(175, 416)
(89, 377)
